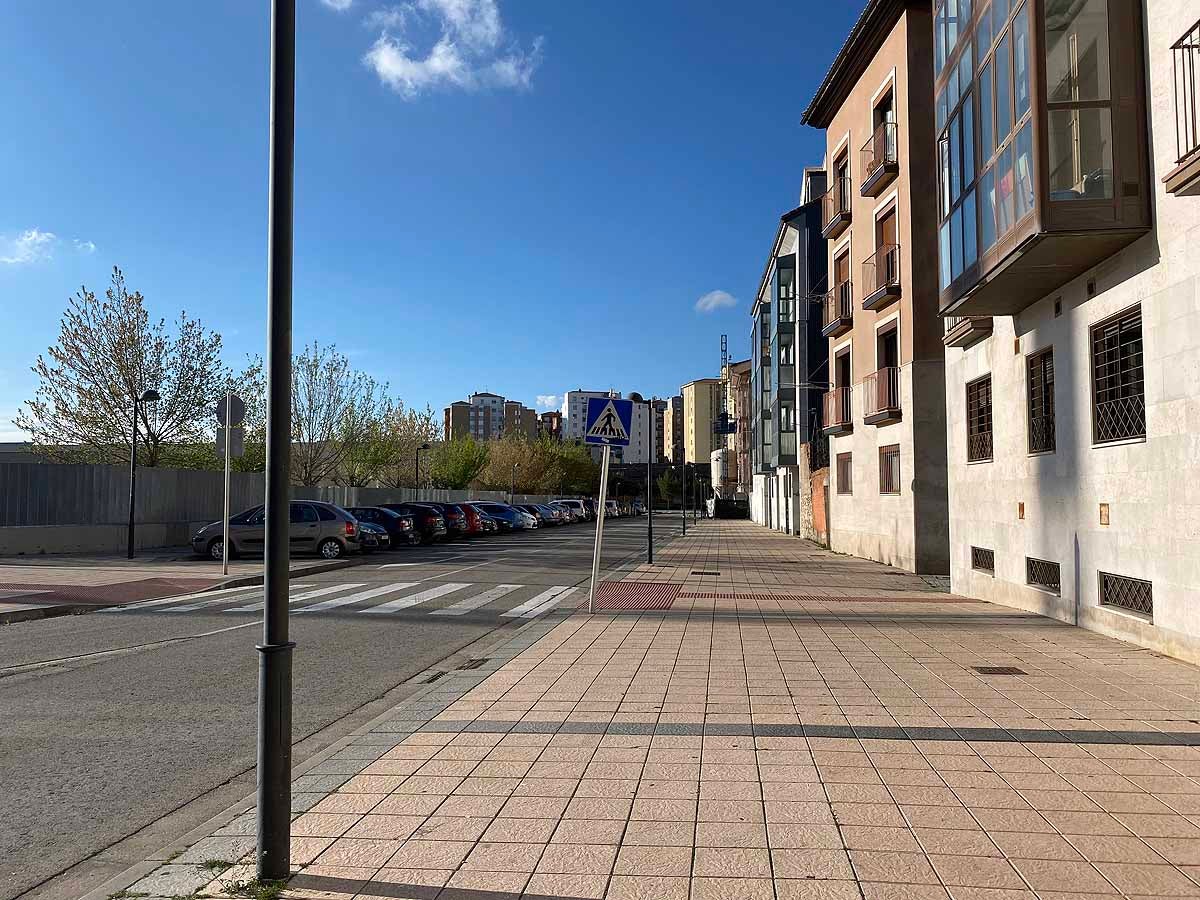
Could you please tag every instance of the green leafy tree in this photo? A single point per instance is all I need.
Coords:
(670, 488)
(109, 352)
(457, 463)
(407, 430)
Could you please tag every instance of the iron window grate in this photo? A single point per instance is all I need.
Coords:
(983, 560)
(845, 474)
(1118, 382)
(1132, 594)
(979, 419)
(889, 469)
(1043, 573)
(1041, 402)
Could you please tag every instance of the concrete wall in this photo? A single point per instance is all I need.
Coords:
(85, 509)
(1150, 485)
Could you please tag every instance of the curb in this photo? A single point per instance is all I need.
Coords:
(49, 612)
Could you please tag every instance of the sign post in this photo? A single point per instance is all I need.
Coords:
(231, 414)
(608, 425)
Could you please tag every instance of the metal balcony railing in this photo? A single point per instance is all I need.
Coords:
(879, 150)
(835, 204)
(881, 392)
(1185, 68)
(839, 304)
(837, 408)
(881, 272)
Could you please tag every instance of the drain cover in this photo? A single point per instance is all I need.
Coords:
(704, 572)
(999, 670)
(472, 664)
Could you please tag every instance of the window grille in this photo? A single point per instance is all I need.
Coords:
(1118, 386)
(1132, 594)
(845, 474)
(979, 419)
(983, 560)
(1041, 402)
(1043, 574)
(889, 469)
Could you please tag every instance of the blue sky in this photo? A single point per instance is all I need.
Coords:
(523, 197)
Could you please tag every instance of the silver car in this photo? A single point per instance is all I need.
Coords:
(316, 527)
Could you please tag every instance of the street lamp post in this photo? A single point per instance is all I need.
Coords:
(417, 473)
(683, 495)
(649, 404)
(512, 495)
(146, 397)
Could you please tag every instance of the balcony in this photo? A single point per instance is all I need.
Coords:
(1184, 179)
(880, 162)
(838, 418)
(881, 396)
(963, 331)
(881, 277)
(839, 310)
(835, 208)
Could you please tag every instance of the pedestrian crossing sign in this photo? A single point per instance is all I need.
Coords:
(608, 421)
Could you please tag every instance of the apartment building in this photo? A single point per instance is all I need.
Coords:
(660, 430)
(788, 365)
(550, 424)
(519, 419)
(886, 412)
(1069, 222)
(673, 430)
(481, 416)
(737, 402)
(701, 406)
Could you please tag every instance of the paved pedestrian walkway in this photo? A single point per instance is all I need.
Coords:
(800, 725)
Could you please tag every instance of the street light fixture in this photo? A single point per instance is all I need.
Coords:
(512, 495)
(649, 404)
(417, 473)
(150, 396)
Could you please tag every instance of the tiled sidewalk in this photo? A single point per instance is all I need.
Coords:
(802, 725)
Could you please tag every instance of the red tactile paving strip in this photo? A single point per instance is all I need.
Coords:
(105, 594)
(805, 598)
(635, 595)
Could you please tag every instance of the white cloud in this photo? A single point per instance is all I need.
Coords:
(338, 5)
(714, 300)
(471, 50)
(88, 247)
(548, 401)
(30, 246)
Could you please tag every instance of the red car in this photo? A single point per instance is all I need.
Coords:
(474, 520)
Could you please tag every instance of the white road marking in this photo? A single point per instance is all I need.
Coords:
(549, 595)
(465, 606)
(548, 605)
(308, 595)
(405, 602)
(361, 595)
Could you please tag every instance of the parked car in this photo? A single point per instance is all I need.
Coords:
(400, 528)
(476, 524)
(534, 510)
(638, 506)
(429, 522)
(501, 524)
(590, 505)
(315, 527)
(373, 537)
(612, 508)
(456, 519)
(516, 519)
(576, 508)
(555, 516)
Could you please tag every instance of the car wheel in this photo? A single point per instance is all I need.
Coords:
(216, 549)
(330, 549)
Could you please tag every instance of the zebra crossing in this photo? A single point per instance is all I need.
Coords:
(442, 599)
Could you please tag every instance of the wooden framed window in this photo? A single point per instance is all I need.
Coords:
(889, 469)
(1118, 380)
(979, 419)
(1041, 402)
(845, 474)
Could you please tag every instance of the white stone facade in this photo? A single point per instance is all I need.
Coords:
(1150, 487)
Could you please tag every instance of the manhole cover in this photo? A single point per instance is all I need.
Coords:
(999, 670)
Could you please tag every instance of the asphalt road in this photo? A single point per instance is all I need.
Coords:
(123, 729)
